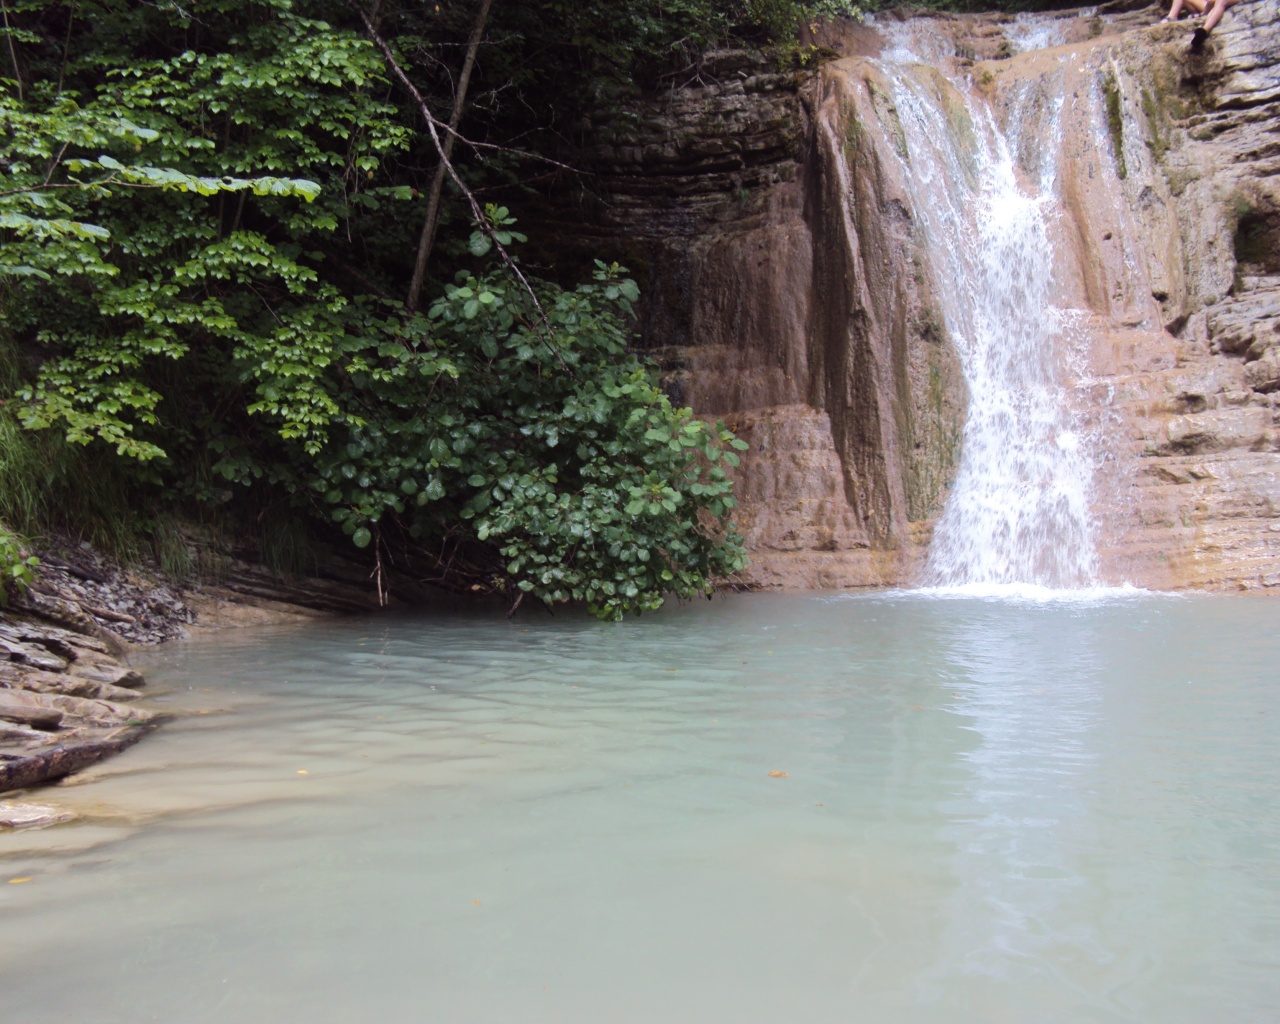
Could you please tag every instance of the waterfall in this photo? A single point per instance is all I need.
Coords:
(1019, 509)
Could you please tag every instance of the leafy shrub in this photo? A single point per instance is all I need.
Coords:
(16, 567)
(548, 457)
(204, 225)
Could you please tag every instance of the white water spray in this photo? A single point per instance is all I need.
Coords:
(1029, 32)
(1019, 511)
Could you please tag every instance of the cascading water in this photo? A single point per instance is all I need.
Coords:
(1019, 511)
(1030, 32)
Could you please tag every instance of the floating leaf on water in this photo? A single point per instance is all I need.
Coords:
(775, 774)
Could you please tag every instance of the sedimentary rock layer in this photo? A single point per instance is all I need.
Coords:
(67, 700)
(772, 222)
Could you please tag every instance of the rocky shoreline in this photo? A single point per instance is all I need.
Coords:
(69, 697)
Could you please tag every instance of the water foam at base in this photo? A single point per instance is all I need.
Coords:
(1034, 593)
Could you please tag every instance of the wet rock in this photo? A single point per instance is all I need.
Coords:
(1248, 326)
(26, 709)
(61, 707)
(771, 219)
(14, 676)
(1207, 433)
(787, 293)
(106, 675)
(50, 710)
(14, 815)
(28, 653)
(21, 737)
(59, 760)
(81, 711)
(1263, 375)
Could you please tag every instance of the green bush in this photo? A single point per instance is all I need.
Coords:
(16, 567)
(184, 208)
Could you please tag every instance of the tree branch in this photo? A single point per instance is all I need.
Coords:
(432, 220)
(13, 54)
(477, 213)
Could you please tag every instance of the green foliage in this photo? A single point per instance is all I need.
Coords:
(286, 545)
(16, 567)
(545, 442)
(47, 484)
(140, 280)
(837, 8)
(169, 548)
(1115, 122)
(205, 224)
(565, 55)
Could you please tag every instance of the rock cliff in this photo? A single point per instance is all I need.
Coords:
(1177, 255)
(1167, 171)
(772, 217)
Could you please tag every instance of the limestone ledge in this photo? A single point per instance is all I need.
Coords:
(68, 696)
(68, 699)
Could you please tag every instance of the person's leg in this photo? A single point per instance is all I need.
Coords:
(1215, 15)
(1196, 7)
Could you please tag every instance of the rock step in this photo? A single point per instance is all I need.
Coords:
(15, 707)
(60, 760)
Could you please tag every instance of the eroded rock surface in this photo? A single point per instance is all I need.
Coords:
(67, 700)
(769, 246)
(788, 290)
(1169, 169)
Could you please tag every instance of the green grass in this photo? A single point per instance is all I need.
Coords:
(286, 546)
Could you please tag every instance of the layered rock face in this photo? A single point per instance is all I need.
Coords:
(770, 242)
(1168, 172)
(774, 219)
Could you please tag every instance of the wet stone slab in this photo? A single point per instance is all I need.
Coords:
(67, 701)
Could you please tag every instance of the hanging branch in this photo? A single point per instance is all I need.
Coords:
(13, 55)
(427, 240)
(540, 327)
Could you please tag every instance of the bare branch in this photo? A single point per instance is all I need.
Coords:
(477, 213)
(426, 240)
(522, 153)
(13, 54)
